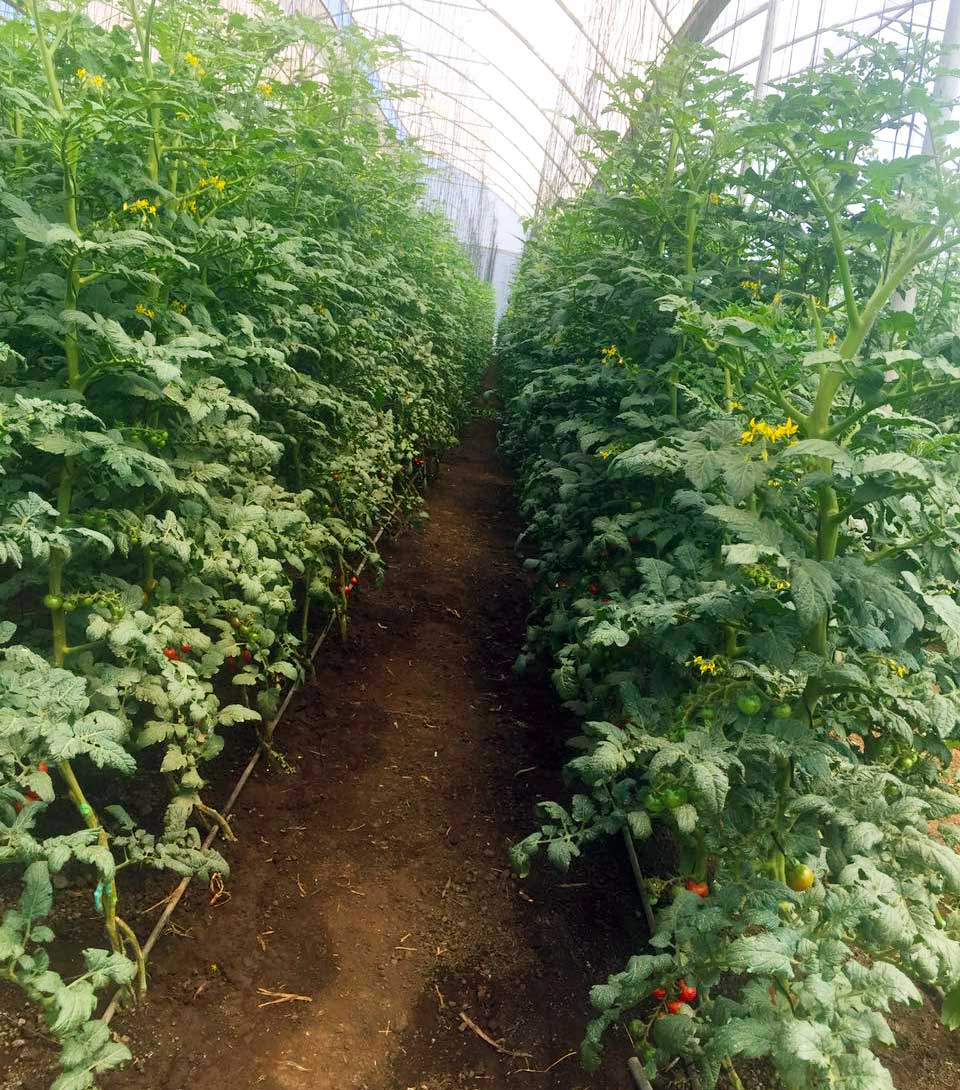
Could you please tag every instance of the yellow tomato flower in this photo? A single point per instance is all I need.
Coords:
(213, 182)
(705, 666)
(265, 88)
(84, 76)
(192, 59)
(145, 311)
(714, 198)
(760, 429)
(604, 454)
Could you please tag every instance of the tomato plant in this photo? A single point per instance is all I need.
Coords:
(227, 323)
(717, 415)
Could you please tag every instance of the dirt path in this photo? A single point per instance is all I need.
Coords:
(373, 881)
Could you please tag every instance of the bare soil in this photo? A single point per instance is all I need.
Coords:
(370, 881)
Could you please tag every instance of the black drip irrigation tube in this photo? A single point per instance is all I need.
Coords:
(265, 746)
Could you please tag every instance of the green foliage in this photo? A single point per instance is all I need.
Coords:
(743, 513)
(230, 333)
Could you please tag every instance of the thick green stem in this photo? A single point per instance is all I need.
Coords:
(92, 821)
(693, 220)
(46, 57)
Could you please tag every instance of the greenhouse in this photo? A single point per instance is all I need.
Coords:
(479, 526)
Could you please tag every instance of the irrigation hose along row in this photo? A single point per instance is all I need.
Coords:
(177, 894)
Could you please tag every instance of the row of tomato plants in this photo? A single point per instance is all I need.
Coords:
(231, 331)
(730, 370)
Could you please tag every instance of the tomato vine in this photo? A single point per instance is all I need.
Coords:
(231, 333)
(739, 471)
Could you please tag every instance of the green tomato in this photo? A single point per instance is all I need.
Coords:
(707, 714)
(782, 711)
(636, 1028)
(674, 797)
(800, 877)
(748, 703)
(53, 601)
(654, 803)
(906, 762)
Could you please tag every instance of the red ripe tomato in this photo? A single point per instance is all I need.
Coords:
(701, 889)
(674, 1006)
(594, 588)
(687, 994)
(43, 767)
(18, 806)
(231, 664)
(354, 580)
(32, 796)
(186, 648)
(246, 655)
(171, 653)
(659, 993)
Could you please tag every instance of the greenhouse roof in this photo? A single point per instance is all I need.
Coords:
(502, 86)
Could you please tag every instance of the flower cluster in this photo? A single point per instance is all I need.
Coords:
(705, 666)
(90, 79)
(895, 667)
(611, 357)
(178, 306)
(714, 198)
(265, 88)
(194, 61)
(760, 429)
(213, 182)
(141, 205)
(751, 286)
(144, 311)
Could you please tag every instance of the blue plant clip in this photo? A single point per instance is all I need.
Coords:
(98, 896)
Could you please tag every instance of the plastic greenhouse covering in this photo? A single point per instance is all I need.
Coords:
(502, 95)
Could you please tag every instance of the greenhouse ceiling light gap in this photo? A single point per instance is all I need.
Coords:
(586, 33)
(736, 24)
(509, 140)
(544, 113)
(886, 17)
(584, 109)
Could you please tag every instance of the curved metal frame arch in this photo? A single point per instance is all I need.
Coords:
(544, 113)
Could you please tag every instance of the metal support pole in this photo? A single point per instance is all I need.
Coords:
(766, 49)
(947, 86)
